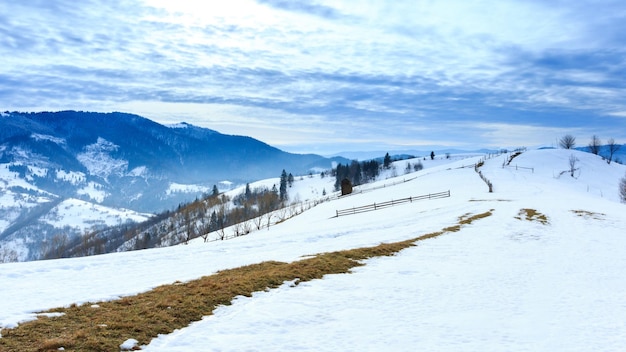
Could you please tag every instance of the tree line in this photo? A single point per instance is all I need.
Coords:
(595, 145)
(212, 213)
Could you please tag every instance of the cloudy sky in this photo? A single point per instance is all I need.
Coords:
(329, 76)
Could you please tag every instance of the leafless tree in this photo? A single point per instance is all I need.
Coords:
(237, 229)
(293, 210)
(622, 189)
(247, 227)
(8, 255)
(282, 214)
(567, 142)
(594, 145)
(258, 222)
(572, 164)
(613, 148)
(268, 218)
(56, 247)
(204, 228)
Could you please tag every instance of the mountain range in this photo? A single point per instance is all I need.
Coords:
(54, 166)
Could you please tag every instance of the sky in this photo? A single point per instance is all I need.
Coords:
(503, 283)
(329, 76)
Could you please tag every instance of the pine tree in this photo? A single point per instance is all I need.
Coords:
(290, 180)
(214, 224)
(387, 161)
(283, 186)
(248, 192)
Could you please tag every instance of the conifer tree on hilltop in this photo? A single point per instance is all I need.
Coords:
(283, 186)
(387, 161)
(290, 180)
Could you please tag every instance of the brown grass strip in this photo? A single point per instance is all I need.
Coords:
(103, 327)
(532, 215)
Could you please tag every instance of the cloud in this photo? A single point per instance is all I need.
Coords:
(392, 73)
(305, 6)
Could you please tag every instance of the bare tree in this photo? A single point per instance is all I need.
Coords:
(613, 148)
(188, 222)
(594, 145)
(237, 229)
(56, 248)
(247, 227)
(572, 164)
(281, 213)
(622, 189)
(268, 218)
(567, 142)
(8, 255)
(221, 233)
(258, 222)
(205, 228)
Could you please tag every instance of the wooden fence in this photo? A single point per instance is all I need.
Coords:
(521, 167)
(376, 206)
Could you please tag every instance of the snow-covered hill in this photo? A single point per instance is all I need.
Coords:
(118, 161)
(544, 272)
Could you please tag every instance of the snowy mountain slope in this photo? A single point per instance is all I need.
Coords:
(512, 281)
(31, 217)
(119, 161)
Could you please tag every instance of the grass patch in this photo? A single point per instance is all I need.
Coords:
(589, 214)
(532, 215)
(105, 325)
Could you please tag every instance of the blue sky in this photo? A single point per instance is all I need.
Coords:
(329, 76)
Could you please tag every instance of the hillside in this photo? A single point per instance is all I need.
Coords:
(544, 272)
(114, 163)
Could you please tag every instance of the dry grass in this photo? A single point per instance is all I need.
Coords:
(532, 215)
(103, 327)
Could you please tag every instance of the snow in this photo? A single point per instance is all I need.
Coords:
(10, 179)
(36, 171)
(139, 171)
(129, 344)
(73, 177)
(97, 159)
(45, 137)
(503, 283)
(181, 188)
(225, 185)
(80, 214)
(93, 190)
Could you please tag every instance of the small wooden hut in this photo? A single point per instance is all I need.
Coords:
(346, 187)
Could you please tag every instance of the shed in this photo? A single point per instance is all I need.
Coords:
(346, 187)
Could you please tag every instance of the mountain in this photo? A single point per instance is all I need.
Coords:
(118, 161)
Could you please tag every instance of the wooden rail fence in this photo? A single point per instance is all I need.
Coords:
(376, 206)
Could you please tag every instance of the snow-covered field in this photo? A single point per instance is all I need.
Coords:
(503, 283)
